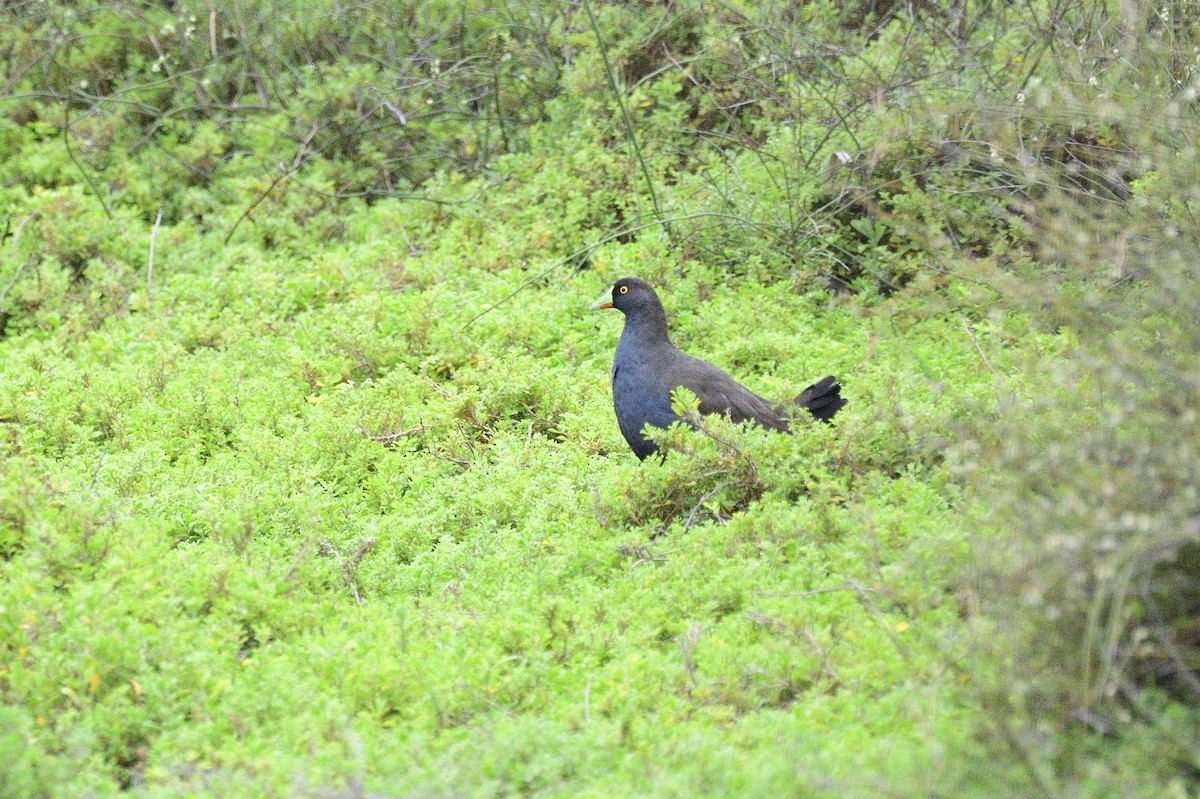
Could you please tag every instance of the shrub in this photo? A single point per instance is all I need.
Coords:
(1090, 497)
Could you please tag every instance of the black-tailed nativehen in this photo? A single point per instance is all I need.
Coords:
(648, 367)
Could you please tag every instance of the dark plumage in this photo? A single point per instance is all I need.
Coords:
(648, 367)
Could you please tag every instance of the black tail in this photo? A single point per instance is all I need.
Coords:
(822, 399)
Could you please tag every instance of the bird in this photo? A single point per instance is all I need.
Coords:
(647, 367)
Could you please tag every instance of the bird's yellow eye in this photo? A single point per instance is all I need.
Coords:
(624, 289)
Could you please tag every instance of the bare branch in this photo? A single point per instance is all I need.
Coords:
(150, 265)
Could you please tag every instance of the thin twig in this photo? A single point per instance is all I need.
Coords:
(212, 32)
(491, 704)
(150, 265)
(695, 508)
(391, 438)
(250, 209)
(814, 592)
(71, 154)
(643, 554)
(13, 282)
(396, 112)
(628, 120)
(20, 227)
(979, 349)
(99, 467)
(687, 645)
(25, 263)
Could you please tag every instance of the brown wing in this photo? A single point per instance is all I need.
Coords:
(721, 394)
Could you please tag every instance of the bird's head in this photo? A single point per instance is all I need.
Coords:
(629, 295)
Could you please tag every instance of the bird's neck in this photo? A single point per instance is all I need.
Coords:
(649, 328)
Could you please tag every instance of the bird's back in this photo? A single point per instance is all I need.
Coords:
(719, 393)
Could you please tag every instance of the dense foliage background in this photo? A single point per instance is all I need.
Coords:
(311, 485)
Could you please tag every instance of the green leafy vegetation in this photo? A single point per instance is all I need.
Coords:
(311, 482)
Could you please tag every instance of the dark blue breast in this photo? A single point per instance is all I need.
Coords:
(639, 396)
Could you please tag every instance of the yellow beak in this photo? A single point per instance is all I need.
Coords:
(603, 301)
